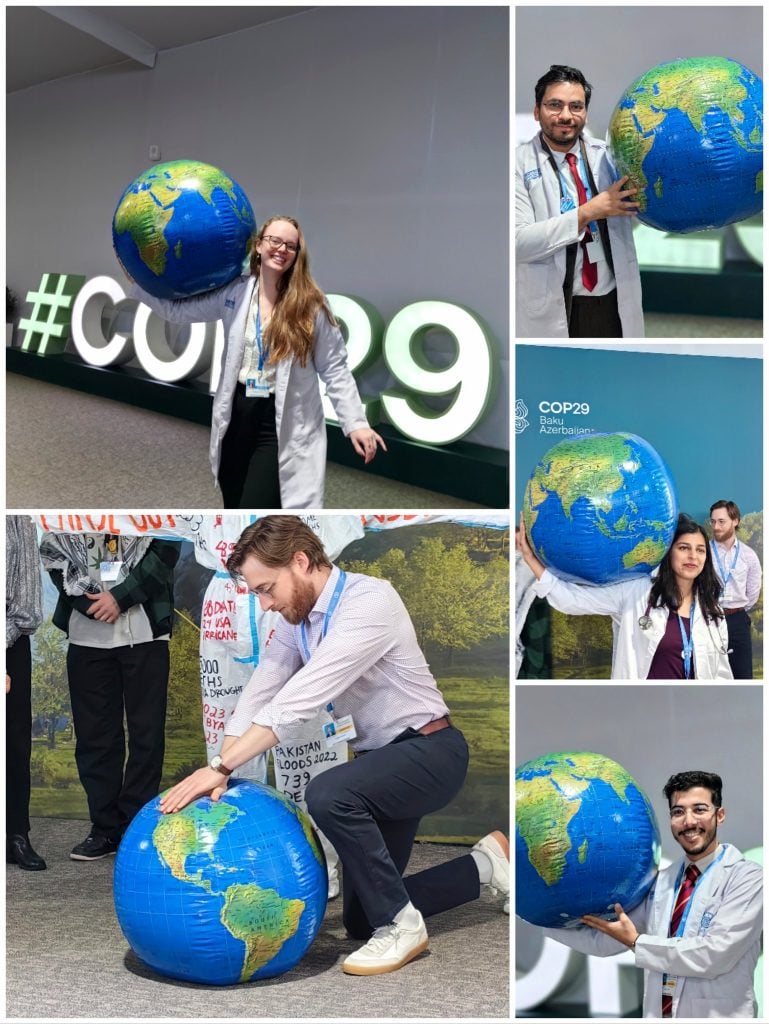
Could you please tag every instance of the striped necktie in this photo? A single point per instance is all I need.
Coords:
(684, 895)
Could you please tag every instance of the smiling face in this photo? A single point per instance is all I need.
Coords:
(272, 246)
(724, 526)
(694, 821)
(562, 127)
(284, 589)
(688, 556)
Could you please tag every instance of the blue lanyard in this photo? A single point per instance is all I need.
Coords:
(721, 568)
(329, 612)
(685, 916)
(259, 347)
(688, 644)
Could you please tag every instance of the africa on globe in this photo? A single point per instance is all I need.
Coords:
(222, 891)
(586, 838)
(689, 134)
(601, 508)
(182, 228)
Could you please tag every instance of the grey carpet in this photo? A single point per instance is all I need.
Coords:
(67, 449)
(673, 325)
(66, 956)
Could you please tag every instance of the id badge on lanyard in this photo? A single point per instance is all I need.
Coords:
(257, 386)
(109, 567)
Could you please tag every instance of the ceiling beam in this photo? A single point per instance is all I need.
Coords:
(87, 20)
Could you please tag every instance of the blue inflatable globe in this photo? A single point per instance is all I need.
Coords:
(601, 508)
(221, 892)
(586, 837)
(690, 136)
(182, 228)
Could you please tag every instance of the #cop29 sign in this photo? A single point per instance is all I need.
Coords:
(67, 303)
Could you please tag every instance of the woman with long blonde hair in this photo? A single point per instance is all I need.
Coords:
(268, 432)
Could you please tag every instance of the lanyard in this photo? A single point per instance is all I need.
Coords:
(688, 644)
(679, 879)
(260, 348)
(329, 612)
(721, 567)
(567, 202)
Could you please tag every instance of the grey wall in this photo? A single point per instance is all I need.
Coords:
(613, 45)
(383, 130)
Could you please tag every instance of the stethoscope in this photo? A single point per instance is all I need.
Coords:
(645, 623)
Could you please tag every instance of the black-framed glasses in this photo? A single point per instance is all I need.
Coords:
(556, 106)
(277, 243)
(699, 811)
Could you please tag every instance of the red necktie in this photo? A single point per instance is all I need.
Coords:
(684, 895)
(589, 270)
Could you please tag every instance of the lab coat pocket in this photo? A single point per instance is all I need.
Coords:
(535, 285)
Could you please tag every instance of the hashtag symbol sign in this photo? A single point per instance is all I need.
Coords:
(55, 295)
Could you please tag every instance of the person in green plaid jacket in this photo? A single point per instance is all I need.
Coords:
(116, 607)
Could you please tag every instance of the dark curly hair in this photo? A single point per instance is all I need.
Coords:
(683, 781)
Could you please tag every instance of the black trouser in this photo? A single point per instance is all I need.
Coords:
(103, 684)
(595, 316)
(248, 468)
(741, 657)
(370, 808)
(18, 737)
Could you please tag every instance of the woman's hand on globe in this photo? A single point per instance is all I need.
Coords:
(623, 929)
(522, 545)
(365, 441)
(203, 782)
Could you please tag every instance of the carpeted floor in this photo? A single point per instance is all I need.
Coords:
(66, 956)
(672, 325)
(67, 449)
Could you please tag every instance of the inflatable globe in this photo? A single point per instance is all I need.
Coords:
(221, 892)
(586, 838)
(601, 508)
(690, 136)
(182, 228)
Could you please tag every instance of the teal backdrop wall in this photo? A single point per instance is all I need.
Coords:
(702, 413)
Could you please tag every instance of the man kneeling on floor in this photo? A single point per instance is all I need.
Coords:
(347, 639)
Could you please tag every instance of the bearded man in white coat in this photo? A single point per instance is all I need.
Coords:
(697, 935)
(576, 268)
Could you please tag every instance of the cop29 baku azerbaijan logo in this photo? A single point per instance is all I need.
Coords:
(464, 387)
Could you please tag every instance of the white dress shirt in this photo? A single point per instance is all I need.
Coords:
(369, 665)
(744, 584)
(605, 282)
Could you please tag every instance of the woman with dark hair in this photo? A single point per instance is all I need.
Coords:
(268, 432)
(667, 626)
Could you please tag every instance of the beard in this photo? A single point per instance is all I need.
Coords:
(707, 840)
(559, 138)
(301, 603)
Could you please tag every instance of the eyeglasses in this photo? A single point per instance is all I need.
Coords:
(277, 243)
(699, 811)
(556, 106)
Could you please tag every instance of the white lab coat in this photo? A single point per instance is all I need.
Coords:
(299, 419)
(542, 234)
(714, 960)
(634, 647)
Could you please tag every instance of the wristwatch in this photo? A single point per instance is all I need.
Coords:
(218, 766)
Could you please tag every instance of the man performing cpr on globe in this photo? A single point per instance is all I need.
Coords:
(346, 639)
(697, 935)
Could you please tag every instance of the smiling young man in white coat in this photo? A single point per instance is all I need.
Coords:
(576, 268)
(697, 939)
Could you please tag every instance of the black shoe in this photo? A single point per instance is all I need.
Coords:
(18, 851)
(94, 847)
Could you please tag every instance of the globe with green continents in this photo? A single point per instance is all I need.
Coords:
(690, 136)
(182, 228)
(222, 891)
(586, 838)
(601, 508)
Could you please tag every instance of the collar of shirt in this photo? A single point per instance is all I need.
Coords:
(321, 605)
(560, 157)
(704, 862)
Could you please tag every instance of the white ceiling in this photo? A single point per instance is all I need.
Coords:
(45, 43)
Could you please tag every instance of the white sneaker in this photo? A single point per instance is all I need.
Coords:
(333, 883)
(389, 948)
(497, 849)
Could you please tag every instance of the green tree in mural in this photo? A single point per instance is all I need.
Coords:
(50, 691)
(454, 602)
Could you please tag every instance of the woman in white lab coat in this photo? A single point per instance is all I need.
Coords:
(667, 626)
(268, 432)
